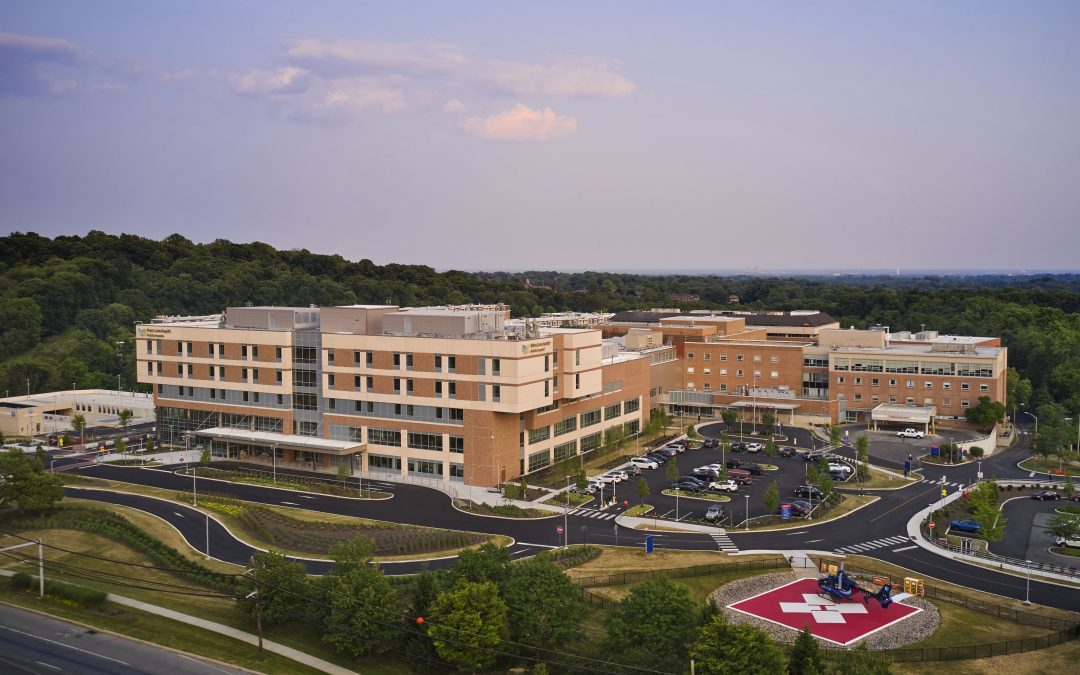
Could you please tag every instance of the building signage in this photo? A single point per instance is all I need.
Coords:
(153, 331)
(536, 347)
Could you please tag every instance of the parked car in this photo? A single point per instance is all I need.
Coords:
(733, 462)
(754, 447)
(1067, 543)
(754, 469)
(787, 451)
(740, 476)
(633, 470)
(692, 479)
(839, 475)
(813, 455)
(713, 513)
(840, 466)
(969, 526)
(810, 491)
(724, 486)
(687, 486)
(910, 433)
(738, 447)
(604, 478)
(1046, 495)
(799, 508)
(668, 451)
(658, 457)
(1075, 497)
(709, 443)
(645, 463)
(705, 472)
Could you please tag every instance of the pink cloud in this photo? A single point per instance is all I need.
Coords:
(521, 123)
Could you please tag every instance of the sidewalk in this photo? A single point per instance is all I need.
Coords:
(221, 629)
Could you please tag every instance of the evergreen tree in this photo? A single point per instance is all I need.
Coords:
(806, 657)
(723, 648)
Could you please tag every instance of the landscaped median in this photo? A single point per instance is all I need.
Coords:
(703, 496)
(284, 481)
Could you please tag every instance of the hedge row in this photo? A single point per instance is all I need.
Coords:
(117, 528)
(80, 595)
(570, 557)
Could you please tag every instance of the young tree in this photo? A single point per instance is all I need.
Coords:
(25, 483)
(723, 648)
(467, 624)
(835, 434)
(581, 480)
(544, 607)
(363, 614)
(205, 456)
(78, 423)
(771, 499)
(652, 626)
(121, 446)
(984, 510)
(862, 450)
(1065, 525)
(768, 420)
(861, 661)
(1070, 489)
(486, 563)
(283, 589)
(351, 554)
(642, 489)
(672, 469)
(986, 414)
(343, 472)
(729, 417)
(771, 448)
(805, 657)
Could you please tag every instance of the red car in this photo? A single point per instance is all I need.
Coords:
(1046, 495)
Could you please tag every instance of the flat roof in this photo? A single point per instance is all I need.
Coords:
(899, 412)
(271, 438)
(923, 349)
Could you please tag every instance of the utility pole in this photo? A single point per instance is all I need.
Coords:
(258, 605)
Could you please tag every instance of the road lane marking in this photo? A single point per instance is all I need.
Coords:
(306, 497)
(290, 503)
(84, 651)
(178, 514)
(792, 534)
(906, 548)
(48, 665)
(814, 541)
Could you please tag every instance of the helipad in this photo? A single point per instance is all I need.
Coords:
(799, 604)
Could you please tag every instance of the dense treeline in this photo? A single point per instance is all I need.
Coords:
(66, 302)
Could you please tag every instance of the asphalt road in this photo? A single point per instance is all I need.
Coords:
(880, 527)
(31, 643)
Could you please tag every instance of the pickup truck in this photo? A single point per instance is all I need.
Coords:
(910, 433)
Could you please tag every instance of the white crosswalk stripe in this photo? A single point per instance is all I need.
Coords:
(871, 545)
(723, 542)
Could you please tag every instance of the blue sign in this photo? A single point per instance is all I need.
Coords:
(907, 466)
(648, 544)
(785, 511)
(934, 451)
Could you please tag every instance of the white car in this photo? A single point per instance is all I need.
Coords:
(605, 478)
(838, 466)
(724, 486)
(1067, 543)
(910, 433)
(754, 447)
(644, 463)
(620, 475)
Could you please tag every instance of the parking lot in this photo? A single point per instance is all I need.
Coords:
(791, 473)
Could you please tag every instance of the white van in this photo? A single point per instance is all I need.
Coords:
(1067, 543)
(644, 463)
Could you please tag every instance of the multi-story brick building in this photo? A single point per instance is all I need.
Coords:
(448, 393)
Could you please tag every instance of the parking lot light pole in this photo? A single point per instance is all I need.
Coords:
(746, 525)
(1027, 595)
(566, 531)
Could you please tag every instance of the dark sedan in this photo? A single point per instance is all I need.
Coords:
(787, 452)
(754, 469)
(1046, 495)
(808, 491)
(969, 526)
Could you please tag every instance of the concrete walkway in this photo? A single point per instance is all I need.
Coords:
(221, 629)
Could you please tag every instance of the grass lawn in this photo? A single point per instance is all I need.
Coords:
(1051, 661)
(880, 480)
(619, 559)
(575, 499)
(849, 504)
(1045, 465)
(638, 510)
(702, 496)
(963, 626)
(145, 584)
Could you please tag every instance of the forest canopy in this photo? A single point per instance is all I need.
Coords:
(66, 303)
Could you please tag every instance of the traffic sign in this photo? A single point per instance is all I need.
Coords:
(626, 502)
(931, 525)
(944, 492)
(558, 529)
(649, 544)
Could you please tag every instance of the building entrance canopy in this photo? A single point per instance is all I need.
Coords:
(897, 413)
(767, 405)
(269, 439)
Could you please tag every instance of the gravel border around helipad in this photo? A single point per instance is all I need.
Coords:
(917, 627)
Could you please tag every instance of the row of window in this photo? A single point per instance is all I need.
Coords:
(910, 384)
(586, 419)
(420, 468)
(218, 373)
(961, 369)
(910, 400)
(543, 458)
(723, 372)
(707, 356)
(214, 349)
(405, 411)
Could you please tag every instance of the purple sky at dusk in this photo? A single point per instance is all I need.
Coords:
(558, 135)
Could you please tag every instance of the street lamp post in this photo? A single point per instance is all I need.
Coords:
(566, 532)
(746, 525)
(1034, 417)
(273, 459)
(1027, 594)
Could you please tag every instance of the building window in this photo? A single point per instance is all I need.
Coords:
(708, 387)
(438, 387)
(419, 441)
(384, 462)
(690, 370)
(451, 364)
(775, 375)
(547, 364)
(408, 386)
(690, 355)
(739, 372)
(391, 437)
(892, 399)
(946, 386)
(945, 402)
(631, 406)
(892, 383)
(723, 357)
(370, 381)
(707, 356)
(739, 357)
(277, 353)
(757, 358)
(565, 426)
(278, 377)
(568, 450)
(330, 356)
(858, 397)
(590, 418)
(368, 359)
(964, 386)
(964, 403)
(840, 379)
(457, 444)
(910, 384)
(858, 381)
(397, 385)
(612, 411)
(774, 359)
(723, 387)
(451, 388)
(423, 467)
(577, 357)
(397, 360)
(539, 435)
(928, 385)
(496, 393)
(457, 472)
(539, 460)
(577, 380)
(356, 357)
(873, 382)
(984, 387)
(910, 400)
(408, 362)
(496, 367)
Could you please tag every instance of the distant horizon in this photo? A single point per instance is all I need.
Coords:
(816, 272)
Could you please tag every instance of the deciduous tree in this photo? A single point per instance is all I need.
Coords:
(545, 607)
(723, 648)
(283, 589)
(468, 623)
(653, 626)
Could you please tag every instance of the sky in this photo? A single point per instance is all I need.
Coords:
(554, 136)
